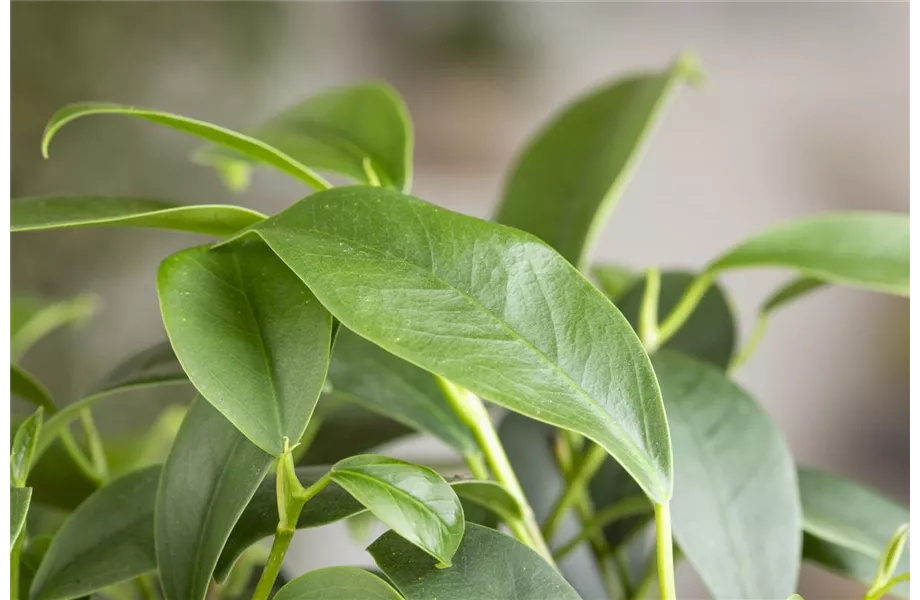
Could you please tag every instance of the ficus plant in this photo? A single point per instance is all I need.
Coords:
(615, 442)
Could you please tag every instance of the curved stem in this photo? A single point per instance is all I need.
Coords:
(880, 592)
(575, 485)
(648, 314)
(79, 459)
(748, 350)
(94, 443)
(684, 308)
(632, 506)
(477, 466)
(665, 553)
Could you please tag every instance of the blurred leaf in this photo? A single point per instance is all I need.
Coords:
(792, 290)
(349, 429)
(28, 388)
(888, 564)
(56, 479)
(139, 450)
(491, 495)
(33, 318)
(848, 563)
(23, 448)
(30, 558)
(19, 509)
(337, 583)
(615, 280)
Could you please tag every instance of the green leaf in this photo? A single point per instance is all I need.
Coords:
(488, 564)
(490, 495)
(36, 214)
(30, 558)
(19, 509)
(338, 583)
(568, 179)
(364, 373)
(23, 449)
(412, 500)
(848, 563)
(485, 306)
(615, 280)
(135, 450)
(862, 249)
(33, 318)
(361, 131)
(250, 335)
(56, 479)
(888, 564)
(349, 429)
(209, 477)
(245, 145)
(28, 388)
(107, 540)
(792, 290)
(735, 508)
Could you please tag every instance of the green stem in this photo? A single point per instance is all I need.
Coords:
(79, 459)
(632, 506)
(665, 553)
(880, 592)
(147, 588)
(575, 486)
(748, 350)
(94, 443)
(684, 308)
(473, 413)
(14, 568)
(648, 314)
(477, 466)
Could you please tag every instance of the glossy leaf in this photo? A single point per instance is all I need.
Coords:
(32, 318)
(28, 388)
(361, 131)
(24, 446)
(861, 249)
(363, 373)
(488, 564)
(208, 479)
(347, 429)
(412, 500)
(19, 509)
(108, 539)
(572, 173)
(250, 335)
(615, 280)
(736, 513)
(337, 583)
(485, 306)
(245, 145)
(35, 214)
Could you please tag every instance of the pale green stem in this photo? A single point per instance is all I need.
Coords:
(147, 588)
(648, 314)
(94, 443)
(477, 466)
(684, 308)
(753, 342)
(665, 553)
(14, 568)
(632, 506)
(575, 485)
(880, 592)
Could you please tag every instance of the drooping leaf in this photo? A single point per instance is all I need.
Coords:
(337, 583)
(363, 373)
(19, 509)
(108, 539)
(208, 479)
(488, 307)
(862, 249)
(33, 318)
(348, 429)
(23, 447)
(615, 280)
(570, 176)
(792, 290)
(35, 214)
(412, 500)
(243, 144)
(488, 564)
(736, 513)
(251, 337)
(361, 131)
(28, 388)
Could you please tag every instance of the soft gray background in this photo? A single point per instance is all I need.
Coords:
(805, 109)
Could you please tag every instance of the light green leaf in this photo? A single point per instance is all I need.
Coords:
(338, 583)
(35, 214)
(848, 563)
(568, 179)
(209, 477)
(250, 335)
(615, 280)
(361, 131)
(888, 564)
(736, 513)
(485, 306)
(363, 373)
(488, 564)
(490, 495)
(23, 448)
(28, 388)
(245, 145)
(347, 429)
(792, 290)
(33, 318)
(19, 509)
(862, 249)
(107, 540)
(412, 500)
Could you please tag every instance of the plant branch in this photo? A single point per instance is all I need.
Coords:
(682, 311)
(752, 343)
(665, 553)
(14, 568)
(633, 506)
(94, 443)
(880, 592)
(576, 483)
(648, 314)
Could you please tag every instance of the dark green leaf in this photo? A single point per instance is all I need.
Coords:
(136, 450)
(57, 480)
(34, 214)
(736, 512)
(491, 495)
(108, 539)
(412, 500)
(24, 385)
(615, 280)
(361, 131)
(245, 145)
(209, 477)
(29, 560)
(849, 563)
(488, 564)
(24, 445)
(19, 509)
(338, 583)
(572, 173)
(349, 429)
(33, 318)
(250, 336)
(485, 306)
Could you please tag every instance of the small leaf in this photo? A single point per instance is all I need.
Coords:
(793, 290)
(28, 388)
(251, 337)
(735, 508)
(19, 509)
(615, 280)
(23, 449)
(33, 318)
(488, 564)
(348, 429)
(107, 540)
(491, 495)
(337, 583)
(36, 214)
(203, 490)
(245, 145)
(347, 131)
(888, 564)
(570, 176)
(861, 249)
(413, 500)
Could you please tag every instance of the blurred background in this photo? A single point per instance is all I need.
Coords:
(804, 110)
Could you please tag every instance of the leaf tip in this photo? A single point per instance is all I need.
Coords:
(443, 565)
(688, 66)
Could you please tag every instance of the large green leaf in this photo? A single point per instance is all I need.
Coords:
(108, 539)
(245, 145)
(736, 512)
(19, 509)
(338, 583)
(572, 173)
(209, 477)
(24, 445)
(28, 388)
(488, 307)
(35, 214)
(488, 564)
(366, 374)
(361, 131)
(412, 500)
(862, 249)
(250, 335)
(349, 429)
(32, 318)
